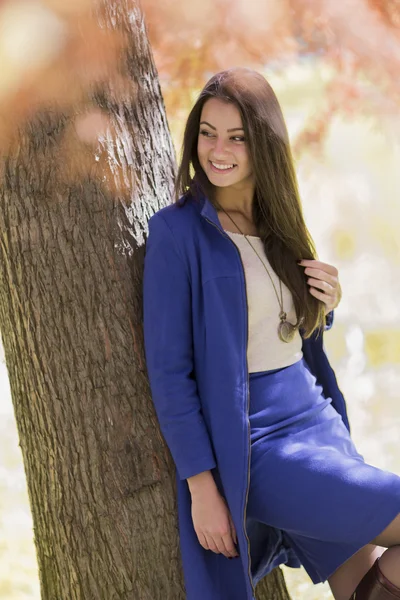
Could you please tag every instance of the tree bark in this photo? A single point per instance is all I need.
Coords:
(100, 479)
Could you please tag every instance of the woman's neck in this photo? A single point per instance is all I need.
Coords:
(235, 202)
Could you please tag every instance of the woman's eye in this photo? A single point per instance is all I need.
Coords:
(237, 138)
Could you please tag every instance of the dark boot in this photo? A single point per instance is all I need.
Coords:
(375, 586)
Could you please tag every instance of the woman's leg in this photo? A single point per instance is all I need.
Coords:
(390, 563)
(389, 536)
(345, 579)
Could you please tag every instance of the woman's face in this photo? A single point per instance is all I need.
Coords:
(221, 147)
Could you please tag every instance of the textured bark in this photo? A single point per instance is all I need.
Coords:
(101, 482)
(273, 587)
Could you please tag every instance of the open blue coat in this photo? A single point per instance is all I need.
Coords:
(196, 334)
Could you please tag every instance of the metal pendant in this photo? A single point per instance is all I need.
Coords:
(286, 331)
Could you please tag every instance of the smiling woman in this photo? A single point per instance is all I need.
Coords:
(237, 142)
(254, 418)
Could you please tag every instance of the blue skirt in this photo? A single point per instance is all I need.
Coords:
(307, 478)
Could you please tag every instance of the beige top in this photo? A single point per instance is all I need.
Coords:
(265, 350)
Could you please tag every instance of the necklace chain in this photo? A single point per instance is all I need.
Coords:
(286, 330)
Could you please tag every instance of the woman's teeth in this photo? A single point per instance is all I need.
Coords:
(222, 167)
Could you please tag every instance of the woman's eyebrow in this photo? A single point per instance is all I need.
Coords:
(215, 129)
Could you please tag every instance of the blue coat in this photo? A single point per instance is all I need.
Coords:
(195, 335)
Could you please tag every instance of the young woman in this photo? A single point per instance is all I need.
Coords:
(245, 396)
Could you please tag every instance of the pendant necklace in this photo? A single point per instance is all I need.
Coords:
(286, 330)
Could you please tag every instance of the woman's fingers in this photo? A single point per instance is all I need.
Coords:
(211, 544)
(223, 545)
(219, 544)
(233, 530)
(203, 540)
(323, 280)
(230, 550)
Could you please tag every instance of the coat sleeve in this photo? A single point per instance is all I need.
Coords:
(328, 320)
(167, 324)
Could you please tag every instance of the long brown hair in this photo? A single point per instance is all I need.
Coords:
(277, 210)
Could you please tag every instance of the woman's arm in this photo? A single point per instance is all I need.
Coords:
(202, 483)
(169, 356)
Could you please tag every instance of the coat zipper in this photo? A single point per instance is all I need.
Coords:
(247, 413)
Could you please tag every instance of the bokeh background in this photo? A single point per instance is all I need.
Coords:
(335, 70)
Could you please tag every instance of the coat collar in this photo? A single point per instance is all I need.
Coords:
(209, 211)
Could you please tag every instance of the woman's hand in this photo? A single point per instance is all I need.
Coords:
(323, 277)
(213, 523)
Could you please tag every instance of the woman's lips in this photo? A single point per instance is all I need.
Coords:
(221, 171)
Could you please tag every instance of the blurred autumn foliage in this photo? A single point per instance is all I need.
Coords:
(50, 52)
(358, 40)
(61, 59)
(53, 52)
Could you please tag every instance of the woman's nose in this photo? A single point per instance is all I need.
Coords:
(219, 147)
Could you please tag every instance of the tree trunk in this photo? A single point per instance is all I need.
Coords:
(101, 482)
